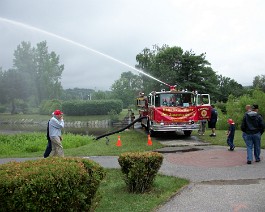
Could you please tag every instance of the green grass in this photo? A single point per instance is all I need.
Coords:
(40, 118)
(115, 196)
(34, 144)
(5, 117)
(221, 138)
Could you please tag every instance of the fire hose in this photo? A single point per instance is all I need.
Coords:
(124, 128)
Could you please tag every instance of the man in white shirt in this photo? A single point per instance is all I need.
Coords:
(56, 124)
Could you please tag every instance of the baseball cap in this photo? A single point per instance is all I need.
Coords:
(230, 121)
(255, 107)
(58, 112)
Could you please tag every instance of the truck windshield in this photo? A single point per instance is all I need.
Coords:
(184, 99)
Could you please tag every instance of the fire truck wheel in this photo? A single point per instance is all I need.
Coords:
(152, 133)
(149, 130)
(187, 132)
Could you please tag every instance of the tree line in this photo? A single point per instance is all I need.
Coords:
(35, 77)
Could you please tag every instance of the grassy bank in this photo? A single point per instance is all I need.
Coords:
(5, 117)
(221, 137)
(34, 144)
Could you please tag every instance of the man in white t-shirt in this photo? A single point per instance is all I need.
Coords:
(56, 124)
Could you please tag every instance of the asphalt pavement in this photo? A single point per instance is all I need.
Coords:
(220, 180)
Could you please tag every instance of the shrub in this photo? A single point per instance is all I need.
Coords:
(47, 107)
(113, 115)
(140, 169)
(53, 184)
(91, 107)
(235, 108)
(221, 106)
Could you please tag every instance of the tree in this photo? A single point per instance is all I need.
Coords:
(196, 74)
(35, 74)
(126, 88)
(259, 82)
(14, 88)
(48, 73)
(184, 69)
(40, 68)
(226, 87)
(3, 95)
(235, 106)
(77, 94)
(99, 95)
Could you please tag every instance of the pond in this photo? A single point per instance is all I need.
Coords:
(75, 129)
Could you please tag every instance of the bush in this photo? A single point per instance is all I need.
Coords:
(235, 108)
(140, 169)
(47, 107)
(91, 107)
(113, 116)
(53, 184)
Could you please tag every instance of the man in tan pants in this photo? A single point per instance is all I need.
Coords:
(56, 124)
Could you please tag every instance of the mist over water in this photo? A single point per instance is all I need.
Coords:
(32, 28)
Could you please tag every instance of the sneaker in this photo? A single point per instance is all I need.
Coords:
(248, 162)
(258, 160)
(212, 135)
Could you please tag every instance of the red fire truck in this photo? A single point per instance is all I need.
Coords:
(173, 110)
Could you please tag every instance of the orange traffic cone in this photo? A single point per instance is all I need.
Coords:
(119, 141)
(149, 142)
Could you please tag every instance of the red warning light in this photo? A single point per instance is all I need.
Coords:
(172, 87)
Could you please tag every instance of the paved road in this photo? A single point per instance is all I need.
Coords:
(220, 180)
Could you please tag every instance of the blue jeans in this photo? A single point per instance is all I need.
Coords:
(230, 142)
(253, 140)
(244, 136)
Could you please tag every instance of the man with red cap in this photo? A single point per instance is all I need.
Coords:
(56, 124)
(231, 134)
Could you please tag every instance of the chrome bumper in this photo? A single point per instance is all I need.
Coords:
(174, 127)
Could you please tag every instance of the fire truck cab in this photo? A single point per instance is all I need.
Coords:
(173, 110)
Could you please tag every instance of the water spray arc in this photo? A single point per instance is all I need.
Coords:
(77, 44)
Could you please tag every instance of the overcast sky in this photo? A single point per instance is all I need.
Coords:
(231, 32)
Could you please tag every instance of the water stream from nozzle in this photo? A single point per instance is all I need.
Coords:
(77, 44)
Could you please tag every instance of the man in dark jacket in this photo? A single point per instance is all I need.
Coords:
(49, 144)
(212, 121)
(253, 127)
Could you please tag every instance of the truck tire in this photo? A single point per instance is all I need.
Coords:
(149, 130)
(187, 132)
(152, 133)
